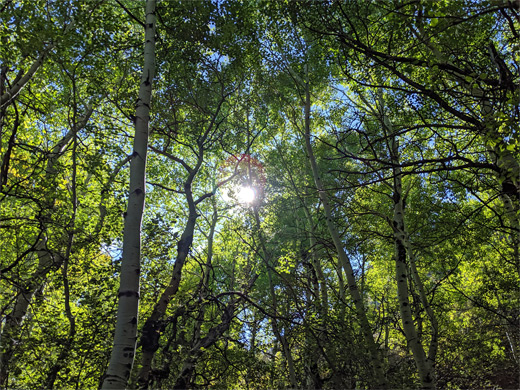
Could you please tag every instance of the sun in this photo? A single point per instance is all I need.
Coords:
(246, 195)
(241, 181)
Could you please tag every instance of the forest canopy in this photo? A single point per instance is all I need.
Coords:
(304, 194)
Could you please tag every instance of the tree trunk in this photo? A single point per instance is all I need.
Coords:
(67, 345)
(424, 365)
(378, 380)
(123, 351)
(11, 331)
(150, 333)
(274, 322)
(20, 82)
(188, 366)
(199, 344)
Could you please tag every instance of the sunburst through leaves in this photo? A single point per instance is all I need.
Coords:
(242, 180)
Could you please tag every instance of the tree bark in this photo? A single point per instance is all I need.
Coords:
(150, 333)
(123, 351)
(425, 367)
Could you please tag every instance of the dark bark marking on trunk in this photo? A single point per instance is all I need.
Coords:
(128, 294)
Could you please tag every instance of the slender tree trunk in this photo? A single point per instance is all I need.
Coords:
(6, 158)
(11, 331)
(199, 343)
(434, 341)
(123, 351)
(188, 367)
(22, 80)
(151, 330)
(67, 345)
(150, 334)
(424, 366)
(378, 380)
(274, 322)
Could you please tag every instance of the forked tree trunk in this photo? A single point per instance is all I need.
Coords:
(123, 350)
(151, 329)
(200, 344)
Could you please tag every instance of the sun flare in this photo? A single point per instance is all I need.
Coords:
(246, 195)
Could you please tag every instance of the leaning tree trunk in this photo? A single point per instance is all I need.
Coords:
(123, 350)
(7, 96)
(151, 329)
(378, 380)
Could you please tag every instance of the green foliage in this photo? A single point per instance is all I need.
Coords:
(231, 83)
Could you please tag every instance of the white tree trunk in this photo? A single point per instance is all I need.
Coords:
(401, 273)
(123, 351)
(424, 365)
(9, 95)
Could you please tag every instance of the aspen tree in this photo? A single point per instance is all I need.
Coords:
(379, 379)
(123, 350)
